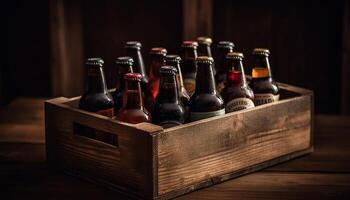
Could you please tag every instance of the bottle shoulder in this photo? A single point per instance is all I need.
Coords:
(264, 85)
(237, 91)
(206, 102)
(96, 101)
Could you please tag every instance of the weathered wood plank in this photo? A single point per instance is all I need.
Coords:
(202, 150)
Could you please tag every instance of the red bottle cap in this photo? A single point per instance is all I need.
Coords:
(159, 51)
(133, 76)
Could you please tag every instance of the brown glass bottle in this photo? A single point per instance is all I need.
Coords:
(133, 110)
(223, 48)
(124, 65)
(263, 85)
(157, 60)
(205, 102)
(133, 50)
(237, 94)
(168, 109)
(188, 65)
(174, 60)
(96, 97)
(204, 44)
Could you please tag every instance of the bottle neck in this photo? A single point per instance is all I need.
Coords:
(179, 73)
(236, 73)
(221, 62)
(205, 82)
(204, 50)
(157, 61)
(96, 82)
(168, 91)
(189, 56)
(122, 70)
(132, 95)
(139, 66)
(261, 68)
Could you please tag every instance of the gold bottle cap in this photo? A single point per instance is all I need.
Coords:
(235, 55)
(204, 40)
(261, 51)
(205, 59)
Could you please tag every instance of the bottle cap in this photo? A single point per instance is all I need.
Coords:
(261, 51)
(225, 44)
(205, 59)
(133, 45)
(168, 70)
(173, 58)
(158, 51)
(204, 40)
(133, 76)
(189, 44)
(235, 55)
(94, 62)
(124, 61)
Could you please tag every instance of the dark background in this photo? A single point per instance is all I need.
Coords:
(46, 42)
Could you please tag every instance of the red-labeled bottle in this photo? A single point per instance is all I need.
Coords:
(157, 55)
(206, 101)
(223, 48)
(124, 65)
(237, 94)
(188, 65)
(263, 85)
(133, 110)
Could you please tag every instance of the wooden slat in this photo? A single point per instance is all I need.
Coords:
(202, 150)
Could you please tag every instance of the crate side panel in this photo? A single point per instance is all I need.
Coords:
(211, 148)
(127, 166)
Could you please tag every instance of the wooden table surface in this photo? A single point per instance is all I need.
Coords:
(324, 174)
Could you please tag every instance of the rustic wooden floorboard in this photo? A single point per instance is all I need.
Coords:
(324, 174)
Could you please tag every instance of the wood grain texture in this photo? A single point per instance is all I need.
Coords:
(213, 147)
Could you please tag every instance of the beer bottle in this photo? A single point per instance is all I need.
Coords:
(205, 102)
(124, 65)
(168, 109)
(133, 110)
(223, 48)
(133, 50)
(157, 60)
(237, 94)
(96, 97)
(174, 60)
(188, 65)
(204, 46)
(263, 85)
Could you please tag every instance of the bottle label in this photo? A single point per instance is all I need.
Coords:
(190, 85)
(239, 104)
(265, 98)
(106, 112)
(194, 116)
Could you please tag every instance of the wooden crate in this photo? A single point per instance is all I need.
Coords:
(155, 163)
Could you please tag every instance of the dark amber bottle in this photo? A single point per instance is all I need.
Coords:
(223, 48)
(174, 60)
(133, 110)
(168, 109)
(157, 55)
(188, 65)
(96, 97)
(263, 85)
(124, 65)
(206, 101)
(237, 94)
